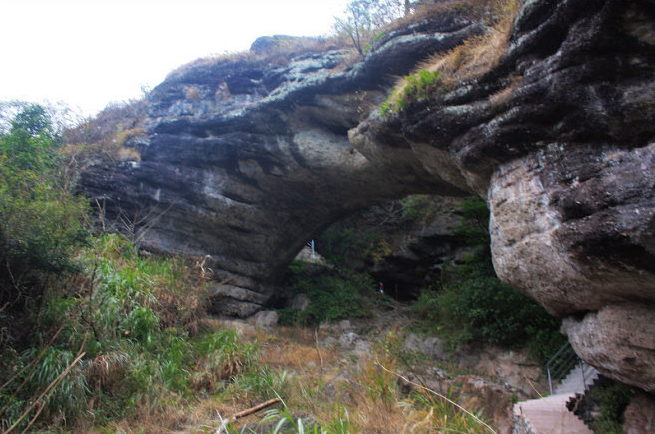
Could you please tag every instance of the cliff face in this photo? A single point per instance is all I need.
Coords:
(246, 161)
(566, 160)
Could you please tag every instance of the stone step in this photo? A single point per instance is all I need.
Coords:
(572, 383)
(549, 415)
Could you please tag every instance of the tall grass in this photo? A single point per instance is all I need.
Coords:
(133, 321)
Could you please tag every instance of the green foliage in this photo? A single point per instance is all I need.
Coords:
(475, 216)
(41, 221)
(346, 246)
(472, 304)
(378, 384)
(136, 356)
(416, 207)
(613, 399)
(421, 84)
(282, 420)
(334, 295)
(262, 384)
(418, 85)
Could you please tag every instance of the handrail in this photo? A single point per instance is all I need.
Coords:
(563, 362)
(562, 348)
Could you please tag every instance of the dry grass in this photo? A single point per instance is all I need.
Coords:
(283, 353)
(108, 134)
(277, 55)
(476, 55)
(466, 62)
(366, 396)
(501, 97)
(472, 9)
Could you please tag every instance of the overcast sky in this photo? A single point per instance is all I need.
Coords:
(88, 53)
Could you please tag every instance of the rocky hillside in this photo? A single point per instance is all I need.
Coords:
(246, 159)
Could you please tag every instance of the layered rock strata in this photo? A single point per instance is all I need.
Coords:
(247, 161)
(566, 161)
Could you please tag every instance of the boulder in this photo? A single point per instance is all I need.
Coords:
(619, 340)
(640, 415)
(556, 137)
(265, 319)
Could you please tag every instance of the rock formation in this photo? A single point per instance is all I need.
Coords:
(405, 244)
(566, 161)
(245, 161)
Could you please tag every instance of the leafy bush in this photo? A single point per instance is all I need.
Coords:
(346, 246)
(41, 221)
(334, 295)
(472, 304)
(418, 85)
(613, 399)
(134, 358)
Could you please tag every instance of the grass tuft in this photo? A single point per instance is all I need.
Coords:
(466, 62)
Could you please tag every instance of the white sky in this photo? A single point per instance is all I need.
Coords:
(89, 53)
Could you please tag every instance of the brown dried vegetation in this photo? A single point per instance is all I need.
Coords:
(109, 134)
(466, 62)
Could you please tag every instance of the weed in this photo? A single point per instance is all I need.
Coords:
(259, 385)
(379, 384)
(222, 357)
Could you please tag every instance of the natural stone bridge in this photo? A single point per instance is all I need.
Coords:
(245, 161)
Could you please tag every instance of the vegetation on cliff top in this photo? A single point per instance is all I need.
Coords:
(363, 27)
(466, 62)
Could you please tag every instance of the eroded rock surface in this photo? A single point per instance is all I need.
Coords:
(247, 161)
(565, 159)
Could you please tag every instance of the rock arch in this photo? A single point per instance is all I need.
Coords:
(259, 157)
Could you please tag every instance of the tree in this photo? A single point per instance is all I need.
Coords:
(41, 221)
(364, 17)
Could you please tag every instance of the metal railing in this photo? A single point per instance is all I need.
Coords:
(313, 246)
(562, 363)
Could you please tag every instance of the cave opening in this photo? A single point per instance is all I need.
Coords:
(401, 246)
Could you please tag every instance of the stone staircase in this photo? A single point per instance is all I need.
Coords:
(549, 415)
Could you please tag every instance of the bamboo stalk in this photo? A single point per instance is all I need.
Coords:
(248, 412)
(255, 409)
(35, 361)
(48, 391)
(52, 385)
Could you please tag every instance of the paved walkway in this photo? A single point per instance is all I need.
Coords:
(549, 415)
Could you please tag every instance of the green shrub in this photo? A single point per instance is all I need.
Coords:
(419, 85)
(416, 206)
(472, 305)
(613, 399)
(334, 295)
(52, 386)
(41, 221)
(261, 384)
(225, 355)
(346, 246)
